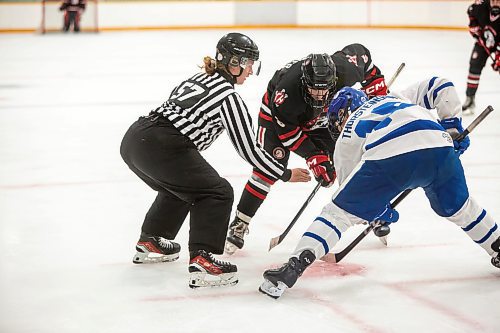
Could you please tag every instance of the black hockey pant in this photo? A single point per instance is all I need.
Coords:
(170, 164)
(72, 17)
(476, 64)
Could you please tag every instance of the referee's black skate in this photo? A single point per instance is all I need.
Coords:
(279, 279)
(237, 231)
(495, 261)
(154, 249)
(206, 271)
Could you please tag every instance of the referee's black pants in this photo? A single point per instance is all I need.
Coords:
(171, 164)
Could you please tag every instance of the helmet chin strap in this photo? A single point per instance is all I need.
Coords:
(235, 77)
(239, 74)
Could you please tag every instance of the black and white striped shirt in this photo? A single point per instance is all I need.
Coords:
(203, 106)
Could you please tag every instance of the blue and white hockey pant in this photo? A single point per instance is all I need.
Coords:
(374, 183)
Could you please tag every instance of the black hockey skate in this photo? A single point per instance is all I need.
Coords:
(237, 230)
(279, 279)
(382, 230)
(154, 249)
(495, 261)
(206, 271)
(469, 106)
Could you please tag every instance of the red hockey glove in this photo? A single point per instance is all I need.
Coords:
(375, 87)
(322, 168)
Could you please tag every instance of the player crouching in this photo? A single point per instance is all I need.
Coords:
(385, 146)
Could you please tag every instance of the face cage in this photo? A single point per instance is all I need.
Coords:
(335, 121)
(318, 105)
(255, 66)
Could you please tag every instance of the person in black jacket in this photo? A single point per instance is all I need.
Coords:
(73, 10)
(163, 149)
(292, 118)
(484, 26)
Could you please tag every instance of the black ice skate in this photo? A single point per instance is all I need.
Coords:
(206, 271)
(495, 261)
(154, 249)
(469, 106)
(237, 230)
(278, 280)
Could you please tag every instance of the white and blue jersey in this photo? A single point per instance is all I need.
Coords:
(391, 144)
(387, 126)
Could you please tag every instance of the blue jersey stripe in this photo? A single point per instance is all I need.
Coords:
(431, 83)
(319, 239)
(441, 87)
(417, 125)
(426, 102)
(328, 223)
(426, 98)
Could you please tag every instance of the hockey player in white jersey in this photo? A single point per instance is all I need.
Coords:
(386, 145)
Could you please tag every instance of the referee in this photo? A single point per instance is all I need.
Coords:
(163, 149)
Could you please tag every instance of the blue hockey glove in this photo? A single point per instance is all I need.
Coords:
(388, 215)
(454, 127)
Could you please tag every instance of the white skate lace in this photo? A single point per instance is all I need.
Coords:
(240, 229)
(219, 262)
(165, 243)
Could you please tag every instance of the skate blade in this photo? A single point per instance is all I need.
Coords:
(269, 289)
(203, 280)
(469, 111)
(230, 248)
(153, 258)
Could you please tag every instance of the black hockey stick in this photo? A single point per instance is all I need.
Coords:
(490, 55)
(396, 74)
(278, 239)
(336, 257)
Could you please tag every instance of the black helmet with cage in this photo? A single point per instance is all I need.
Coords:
(318, 74)
(236, 50)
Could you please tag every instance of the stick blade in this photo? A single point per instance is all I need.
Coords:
(274, 241)
(329, 258)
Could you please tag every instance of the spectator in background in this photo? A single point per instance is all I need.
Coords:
(484, 26)
(73, 10)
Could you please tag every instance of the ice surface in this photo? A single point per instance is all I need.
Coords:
(71, 211)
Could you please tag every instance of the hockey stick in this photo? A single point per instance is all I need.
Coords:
(486, 49)
(336, 257)
(278, 239)
(396, 74)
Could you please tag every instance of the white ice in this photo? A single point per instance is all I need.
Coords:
(71, 211)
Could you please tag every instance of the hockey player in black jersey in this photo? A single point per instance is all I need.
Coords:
(292, 118)
(73, 10)
(163, 149)
(484, 26)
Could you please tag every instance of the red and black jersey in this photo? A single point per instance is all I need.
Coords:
(480, 16)
(284, 105)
